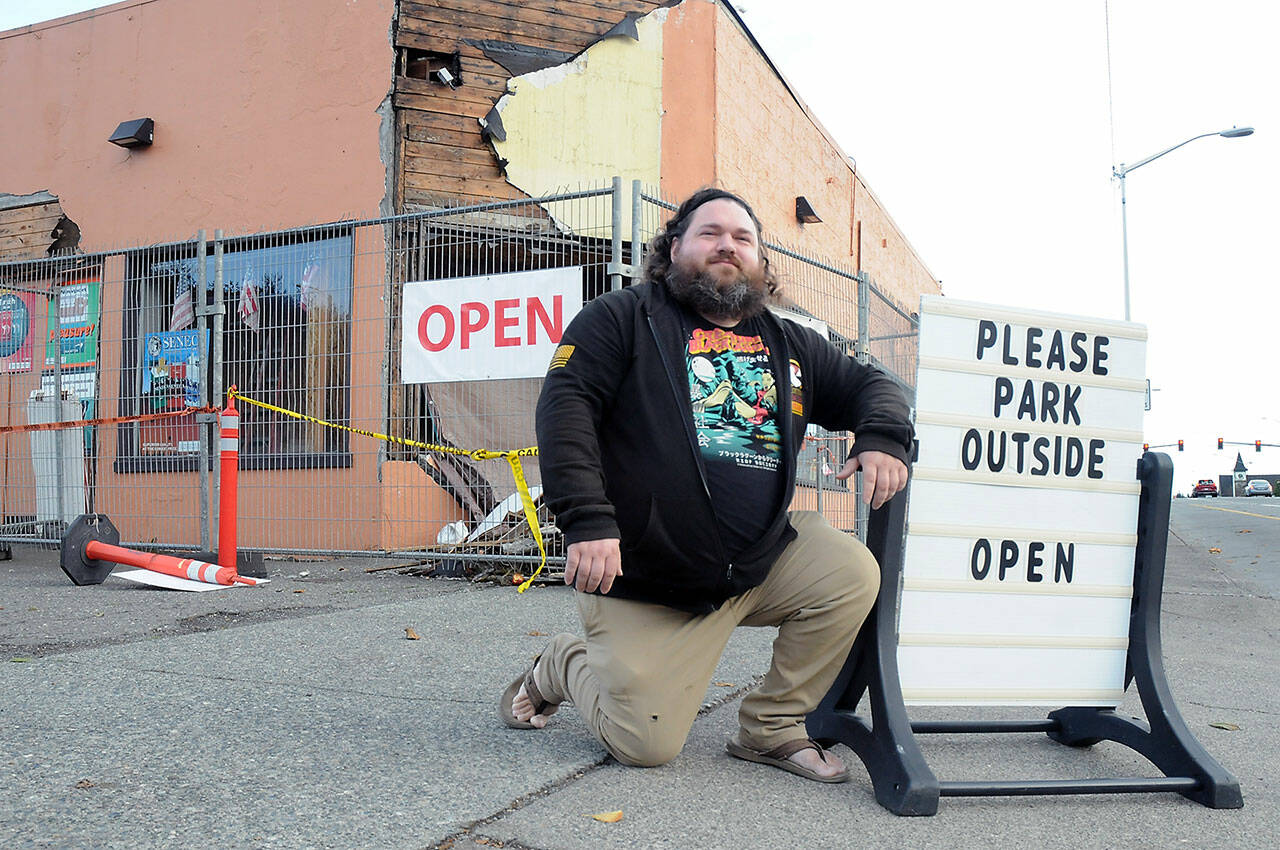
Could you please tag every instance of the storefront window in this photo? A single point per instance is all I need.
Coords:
(285, 342)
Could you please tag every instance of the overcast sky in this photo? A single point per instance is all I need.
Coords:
(989, 132)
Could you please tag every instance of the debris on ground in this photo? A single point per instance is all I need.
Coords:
(477, 553)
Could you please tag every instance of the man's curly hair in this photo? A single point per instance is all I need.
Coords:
(657, 260)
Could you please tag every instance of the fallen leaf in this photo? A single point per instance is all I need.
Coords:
(299, 591)
(537, 634)
(1244, 531)
(608, 817)
(1214, 550)
(724, 684)
(85, 783)
(20, 660)
(411, 634)
(1230, 727)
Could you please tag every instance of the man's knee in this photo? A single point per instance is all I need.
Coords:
(646, 735)
(862, 575)
(851, 576)
(646, 750)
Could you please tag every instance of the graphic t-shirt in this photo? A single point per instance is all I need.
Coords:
(735, 415)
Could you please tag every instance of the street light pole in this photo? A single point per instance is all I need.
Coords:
(1122, 170)
(1124, 236)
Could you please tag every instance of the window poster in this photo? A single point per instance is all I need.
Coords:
(77, 322)
(81, 383)
(16, 331)
(171, 380)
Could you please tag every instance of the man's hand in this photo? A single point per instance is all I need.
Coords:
(883, 475)
(593, 564)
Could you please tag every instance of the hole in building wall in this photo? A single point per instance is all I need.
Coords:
(426, 65)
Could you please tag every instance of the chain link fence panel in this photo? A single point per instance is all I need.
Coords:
(345, 448)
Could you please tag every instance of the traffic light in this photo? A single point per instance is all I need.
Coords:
(1179, 445)
(1257, 445)
(1219, 444)
(1146, 447)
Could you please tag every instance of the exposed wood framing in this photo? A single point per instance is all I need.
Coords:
(26, 232)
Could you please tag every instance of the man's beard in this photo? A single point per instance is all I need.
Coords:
(741, 299)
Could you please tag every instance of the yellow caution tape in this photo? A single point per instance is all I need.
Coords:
(512, 456)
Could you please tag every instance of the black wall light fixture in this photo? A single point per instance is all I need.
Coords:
(137, 133)
(804, 211)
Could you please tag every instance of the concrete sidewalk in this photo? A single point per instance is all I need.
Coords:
(298, 714)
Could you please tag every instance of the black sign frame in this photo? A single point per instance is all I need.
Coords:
(901, 777)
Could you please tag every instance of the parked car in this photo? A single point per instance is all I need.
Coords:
(1258, 487)
(1205, 487)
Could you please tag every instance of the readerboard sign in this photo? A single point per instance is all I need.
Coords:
(1022, 522)
(487, 327)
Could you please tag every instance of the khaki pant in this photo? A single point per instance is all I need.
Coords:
(640, 676)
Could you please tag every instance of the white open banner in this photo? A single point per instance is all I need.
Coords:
(487, 327)
(1022, 525)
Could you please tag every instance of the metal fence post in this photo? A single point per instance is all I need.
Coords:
(215, 374)
(59, 454)
(202, 343)
(637, 245)
(862, 351)
(862, 345)
(818, 476)
(615, 253)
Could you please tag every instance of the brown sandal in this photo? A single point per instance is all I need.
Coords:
(780, 757)
(540, 704)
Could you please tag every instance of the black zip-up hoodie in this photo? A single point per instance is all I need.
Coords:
(619, 455)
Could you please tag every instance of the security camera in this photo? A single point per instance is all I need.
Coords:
(443, 75)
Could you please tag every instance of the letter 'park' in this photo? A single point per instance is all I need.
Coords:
(1027, 434)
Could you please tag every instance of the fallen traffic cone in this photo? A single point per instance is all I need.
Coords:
(90, 552)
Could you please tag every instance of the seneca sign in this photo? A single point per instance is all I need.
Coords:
(1018, 571)
(487, 327)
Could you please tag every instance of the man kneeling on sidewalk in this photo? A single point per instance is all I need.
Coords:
(668, 429)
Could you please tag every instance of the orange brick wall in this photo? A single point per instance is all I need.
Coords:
(771, 150)
(688, 99)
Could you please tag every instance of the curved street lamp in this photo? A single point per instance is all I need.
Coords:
(1122, 170)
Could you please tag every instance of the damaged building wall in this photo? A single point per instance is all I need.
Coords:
(32, 226)
(265, 116)
(445, 156)
(692, 100)
(599, 114)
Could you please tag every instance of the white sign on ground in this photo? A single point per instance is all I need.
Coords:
(1022, 524)
(486, 327)
(155, 579)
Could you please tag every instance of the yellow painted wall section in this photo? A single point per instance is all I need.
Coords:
(590, 119)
